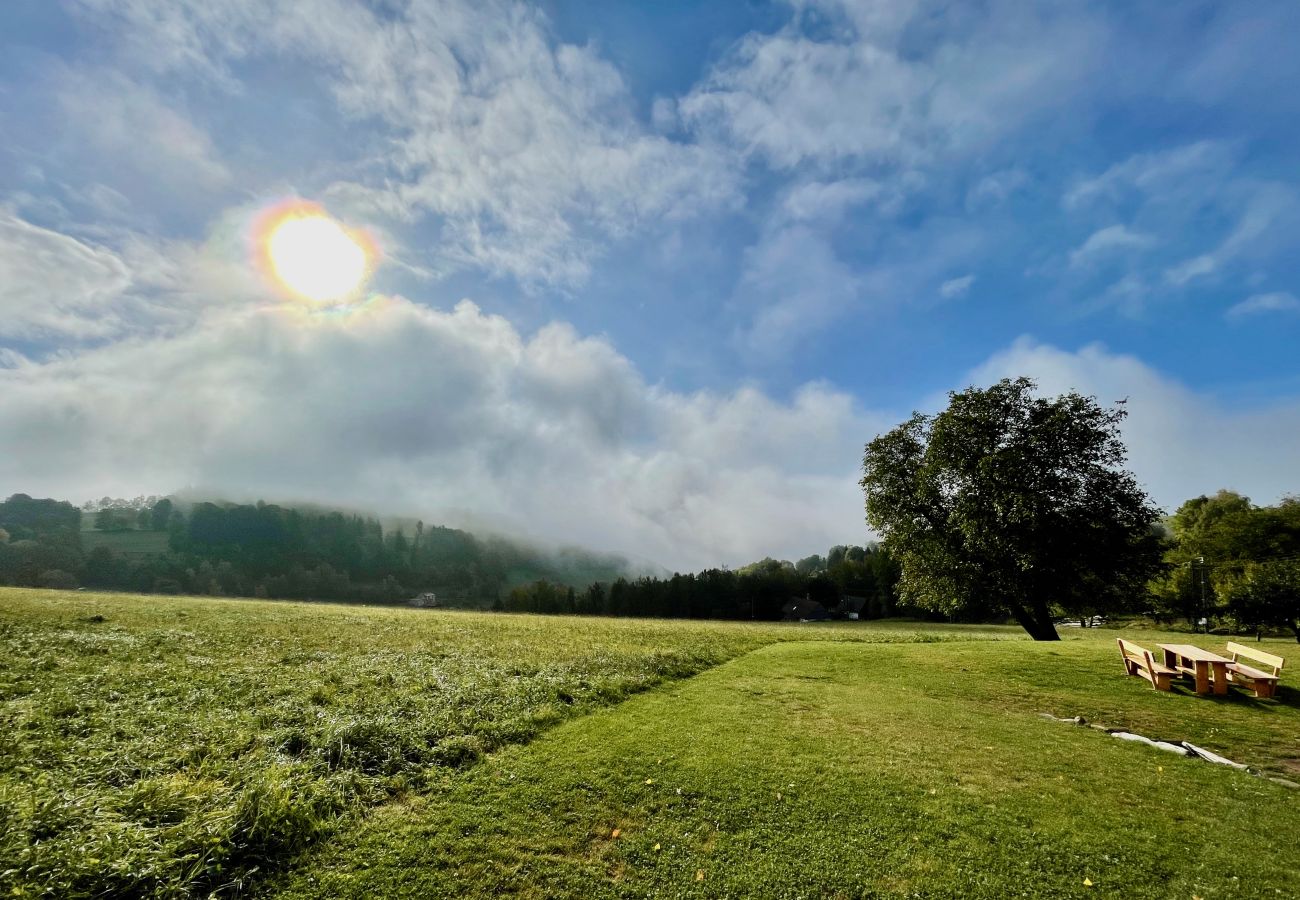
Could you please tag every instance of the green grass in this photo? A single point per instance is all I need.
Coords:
(169, 746)
(132, 544)
(839, 770)
(158, 746)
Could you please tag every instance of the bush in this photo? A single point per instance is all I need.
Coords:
(57, 578)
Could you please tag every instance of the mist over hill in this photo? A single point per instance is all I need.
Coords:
(188, 544)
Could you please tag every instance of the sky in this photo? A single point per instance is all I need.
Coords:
(649, 275)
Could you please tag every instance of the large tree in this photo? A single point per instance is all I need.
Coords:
(1008, 500)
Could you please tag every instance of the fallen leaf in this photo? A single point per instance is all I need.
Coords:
(649, 781)
(657, 847)
(616, 832)
(1087, 882)
(699, 874)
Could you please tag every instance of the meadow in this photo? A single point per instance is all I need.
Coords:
(168, 746)
(160, 746)
(133, 545)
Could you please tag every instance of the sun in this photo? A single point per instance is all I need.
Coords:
(313, 256)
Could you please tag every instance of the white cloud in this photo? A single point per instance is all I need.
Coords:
(526, 151)
(133, 125)
(828, 201)
(1181, 443)
(1106, 242)
(1183, 192)
(956, 287)
(1153, 172)
(1279, 301)
(53, 284)
(792, 286)
(994, 189)
(404, 409)
(1191, 269)
(56, 287)
(859, 92)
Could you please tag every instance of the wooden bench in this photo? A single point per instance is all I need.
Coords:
(1139, 661)
(1264, 683)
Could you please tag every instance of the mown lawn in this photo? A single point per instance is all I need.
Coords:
(840, 770)
(160, 746)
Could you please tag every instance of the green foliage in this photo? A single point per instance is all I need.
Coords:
(759, 590)
(160, 515)
(1010, 501)
(27, 519)
(1216, 548)
(109, 519)
(1265, 595)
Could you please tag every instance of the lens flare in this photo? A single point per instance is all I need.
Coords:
(311, 255)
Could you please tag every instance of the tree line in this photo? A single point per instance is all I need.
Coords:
(866, 577)
(266, 550)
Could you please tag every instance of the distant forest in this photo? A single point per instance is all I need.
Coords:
(159, 545)
(1226, 560)
(857, 582)
(265, 550)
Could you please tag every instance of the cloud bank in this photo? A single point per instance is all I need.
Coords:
(455, 416)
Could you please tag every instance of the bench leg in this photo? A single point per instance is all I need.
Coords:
(1220, 675)
(1202, 678)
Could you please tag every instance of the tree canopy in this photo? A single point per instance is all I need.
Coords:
(1227, 557)
(1012, 500)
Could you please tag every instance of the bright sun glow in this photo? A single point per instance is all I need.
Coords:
(315, 257)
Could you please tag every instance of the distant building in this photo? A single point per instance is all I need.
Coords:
(427, 600)
(801, 609)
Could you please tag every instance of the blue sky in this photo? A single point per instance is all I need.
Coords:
(652, 274)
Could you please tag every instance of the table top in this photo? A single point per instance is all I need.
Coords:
(1189, 651)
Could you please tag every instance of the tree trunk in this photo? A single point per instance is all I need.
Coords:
(1037, 623)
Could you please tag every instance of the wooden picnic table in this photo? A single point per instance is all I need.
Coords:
(1208, 668)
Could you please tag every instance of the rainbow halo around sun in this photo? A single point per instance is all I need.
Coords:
(311, 255)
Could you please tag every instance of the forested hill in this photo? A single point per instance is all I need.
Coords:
(215, 547)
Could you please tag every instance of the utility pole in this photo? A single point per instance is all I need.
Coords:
(1203, 617)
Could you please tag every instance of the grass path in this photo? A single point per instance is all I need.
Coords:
(842, 770)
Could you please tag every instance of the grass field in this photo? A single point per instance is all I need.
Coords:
(131, 544)
(173, 746)
(180, 744)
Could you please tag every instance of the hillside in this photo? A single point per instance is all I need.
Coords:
(169, 545)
